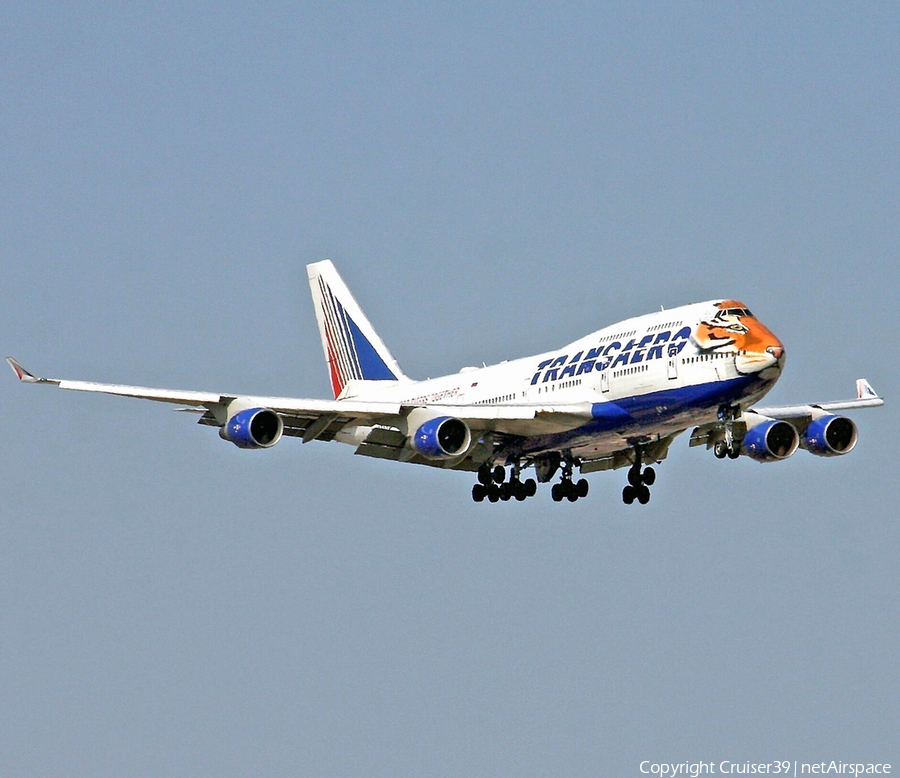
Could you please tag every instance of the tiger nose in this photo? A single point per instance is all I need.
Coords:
(776, 351)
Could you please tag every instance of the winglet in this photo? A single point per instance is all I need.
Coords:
(21, 373)
(864, 389)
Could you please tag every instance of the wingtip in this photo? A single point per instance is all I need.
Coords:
(864, 389)
(21, 373)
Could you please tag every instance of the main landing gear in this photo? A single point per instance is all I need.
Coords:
(639, 482)
(567, 489)
(492, 484)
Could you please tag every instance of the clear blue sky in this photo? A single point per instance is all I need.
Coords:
(492, 181)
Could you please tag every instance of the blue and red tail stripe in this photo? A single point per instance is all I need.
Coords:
(351, 355)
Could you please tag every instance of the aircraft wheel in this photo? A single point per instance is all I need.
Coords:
(557, 493)
(493, 493)
(582, 487)
(506, 492)
(734, 452)
(720, 449)
(521, 493)
(649, 476)
(643, 495)
(479, 492)
(571, 492)
(634, 477)
(499, 474)
(530, 487)
(485, 476)
(628, 494)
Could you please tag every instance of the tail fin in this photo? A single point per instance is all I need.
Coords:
(353, 350)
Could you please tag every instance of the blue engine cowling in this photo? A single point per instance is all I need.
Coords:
(830, 436)
(770, 441)
(253, 428)
(442, 438)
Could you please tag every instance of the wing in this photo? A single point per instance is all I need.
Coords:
(799, 416)
(309, 419)
(866, 397)
(377, 429)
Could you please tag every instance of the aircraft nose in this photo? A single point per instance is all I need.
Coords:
(776, 351)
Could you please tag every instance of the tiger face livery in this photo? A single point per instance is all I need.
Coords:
(732, 327)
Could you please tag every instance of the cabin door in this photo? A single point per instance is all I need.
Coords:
(604, 381)
(673, 368)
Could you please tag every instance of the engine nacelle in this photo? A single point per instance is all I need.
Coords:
(830, 436)
(770, 441)
(442, 438)
(253, 428)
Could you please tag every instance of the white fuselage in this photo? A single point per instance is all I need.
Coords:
(645, 377)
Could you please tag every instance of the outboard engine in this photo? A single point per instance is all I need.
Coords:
(253, 428)
(830, 436)
(770, 441)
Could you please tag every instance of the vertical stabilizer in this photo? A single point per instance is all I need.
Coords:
(353, 350)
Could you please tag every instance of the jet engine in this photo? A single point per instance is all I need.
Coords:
(442, 438)
(830, 436)
(253, 428)
(770, 441)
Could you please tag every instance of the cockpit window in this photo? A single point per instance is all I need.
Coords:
(738, 312)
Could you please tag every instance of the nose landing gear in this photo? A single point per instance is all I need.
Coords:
(729, 447)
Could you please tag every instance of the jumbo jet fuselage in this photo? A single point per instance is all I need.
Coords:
(644, 377)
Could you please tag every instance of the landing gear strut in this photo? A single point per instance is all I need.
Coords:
(492, 484)
(639, 481)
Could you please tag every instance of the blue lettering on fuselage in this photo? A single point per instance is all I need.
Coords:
(662, 344)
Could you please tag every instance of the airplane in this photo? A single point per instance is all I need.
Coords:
(613, 399)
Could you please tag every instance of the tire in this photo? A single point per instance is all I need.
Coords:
(734, 452)
(530, 487)
(557, 493)
(479, 492)
(520, 493)
(643, 495)
(582, 486)
(628, 494)
(634, 477)
(720, 449)
(499, 474)
(485, 476)
(571, 492)
(493, 493)
(649, 476)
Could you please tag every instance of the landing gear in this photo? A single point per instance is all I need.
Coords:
(639, 481)
(567, 489)
(728, 447)
(492, 484)
(640, 493)
(721, 449)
